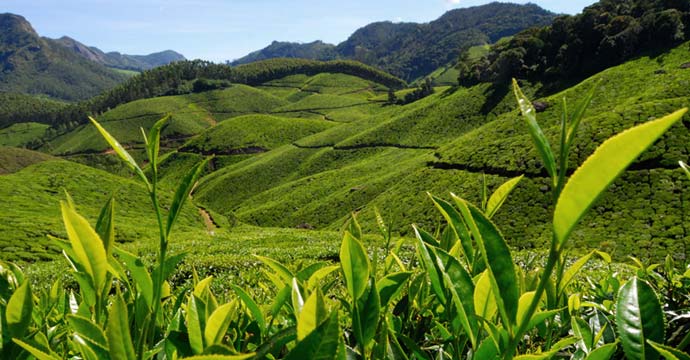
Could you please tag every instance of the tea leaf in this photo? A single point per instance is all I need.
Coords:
(391, 285)
(540, 141)
(597, 172)
(105, 226)
(217, 324)
(37, 353)
(153, 143)
(312, 315)
(121, 152)
(355, 265)
(569, 274)
(668, 352)
(87, 246)
(139, 273)
(639, 318)
(252, 306)
(117, 331)
(195, 317)
(578, 114)
(320, 344)
(500, 195)
(18, 311)
(604, 352)
(183, 191)
(454, 220)
(497, 256)
(428, 261)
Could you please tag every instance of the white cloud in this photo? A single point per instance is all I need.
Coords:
(453, 2)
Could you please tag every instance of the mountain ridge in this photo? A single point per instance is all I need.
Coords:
(411, 50)
(118, 60)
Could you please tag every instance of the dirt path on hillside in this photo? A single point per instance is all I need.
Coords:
(211, 225)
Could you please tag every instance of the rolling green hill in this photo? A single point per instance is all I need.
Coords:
(305, 150)
(451, 140)
(31, 205)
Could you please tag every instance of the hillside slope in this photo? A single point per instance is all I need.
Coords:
(452, 140)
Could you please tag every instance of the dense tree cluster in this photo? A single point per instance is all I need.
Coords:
(16, 108)
(604, 34)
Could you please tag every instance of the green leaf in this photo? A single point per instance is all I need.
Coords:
(252, 306)
(391, 285)
(37, 353)
(569, 274)
(454, 220)
(89, 335)
(221, 357)
(355, 265)
(18, 311)
(601, 169)
(183, 191)
(604, 352)
(138, 272)
(540, 141)
(497, 256)
(668, 352)
(105, 226)
(196, 315)
(154, 140)
(639, 318)
(312, 315)
(120, 151)
(320, 344)
(500, 195)
(524, 303)
(280, 269)
(484, 299)
(428, 261)
(461, 287)
(217, 324)
(549, 354)
(87, 246)
(578, 114)
(368, 311)
(583, 332)
(117, 331)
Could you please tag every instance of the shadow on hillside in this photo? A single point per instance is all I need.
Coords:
(494, 95)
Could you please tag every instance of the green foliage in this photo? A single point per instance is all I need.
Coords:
(608, 32)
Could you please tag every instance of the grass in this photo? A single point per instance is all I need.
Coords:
(21, 134)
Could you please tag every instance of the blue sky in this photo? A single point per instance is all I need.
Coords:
(221, 30)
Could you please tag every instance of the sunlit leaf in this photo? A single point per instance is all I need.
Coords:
(117, 331)
(355, 265)
(120, 151)
(500, 195)
(18, 311)
(608, 161)
(540, 141)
